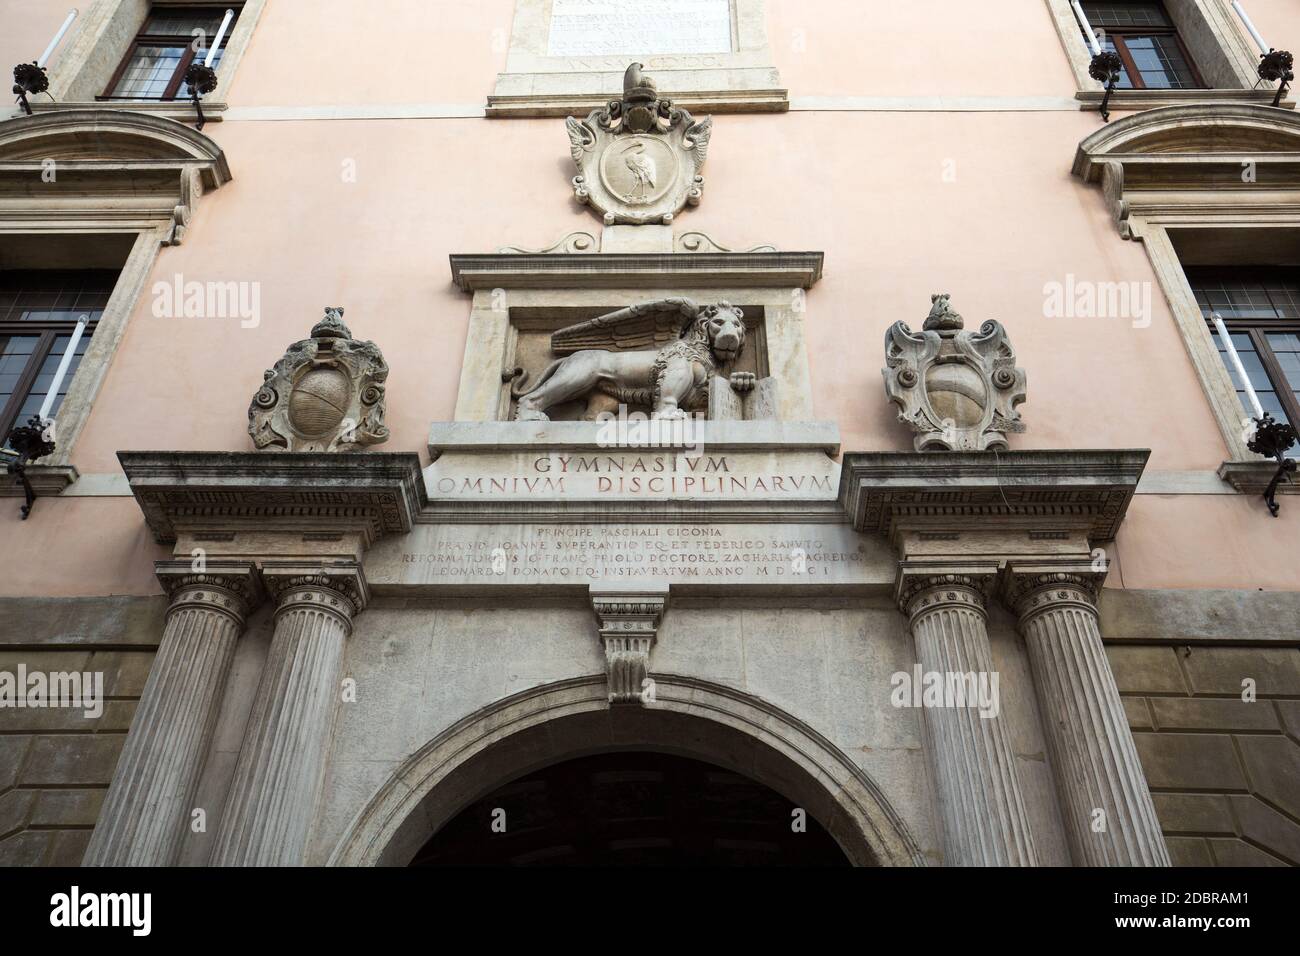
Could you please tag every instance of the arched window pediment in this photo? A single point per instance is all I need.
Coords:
(1236, 158)
(110, 165)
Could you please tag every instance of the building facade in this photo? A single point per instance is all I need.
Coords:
(547, 432)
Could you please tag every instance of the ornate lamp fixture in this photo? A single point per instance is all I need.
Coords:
(1275, 66)
(1272, 439)
(1104, 68)
(29, 78)
(28, 443)
(202, 79)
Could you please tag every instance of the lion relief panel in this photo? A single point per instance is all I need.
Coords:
(665, 359)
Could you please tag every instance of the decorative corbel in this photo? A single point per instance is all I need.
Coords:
(628, 618)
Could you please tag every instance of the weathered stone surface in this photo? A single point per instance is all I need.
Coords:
(1263, 825)
(1193, 813)
(125, 672)
(13, 749)
(15, 806)
(1273, 765)
(1139, 715)
(1190, 761)
(1236, 853)
(1175, 713)
(1221, 670)
(1152, 670)
(1191, 616)
(66, 759)
(80, 621)
(1189, 851)
(29, 848)
(69, 848)
(64, 808)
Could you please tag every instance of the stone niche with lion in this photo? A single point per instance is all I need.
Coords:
(665, 358)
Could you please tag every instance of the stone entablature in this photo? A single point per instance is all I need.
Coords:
(368, 494)
(1083, 494)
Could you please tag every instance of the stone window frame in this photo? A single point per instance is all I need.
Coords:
(774, 281)
(80, 142)
(1220, 48)
(536, 84)
(1201, 145)
(101, 37)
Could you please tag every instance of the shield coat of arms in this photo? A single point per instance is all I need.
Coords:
(639, 158)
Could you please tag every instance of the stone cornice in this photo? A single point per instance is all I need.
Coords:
(378, 492)
(631, 270)
(1019, 489)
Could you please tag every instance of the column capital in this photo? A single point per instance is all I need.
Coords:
(926, 585)
(229, 587)
(1029, 588)
(627, 620)
(338, 587)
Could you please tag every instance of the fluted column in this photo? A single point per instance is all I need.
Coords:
(281, 767)
(1105, 802)
(147, 810)
(982, 814)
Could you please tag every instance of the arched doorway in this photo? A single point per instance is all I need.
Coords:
(632, 808)
(570, 719)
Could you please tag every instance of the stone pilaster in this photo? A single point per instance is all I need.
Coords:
(1105, 802)
(147, 810)
(281, 768)
(628, 621)
(982, 813)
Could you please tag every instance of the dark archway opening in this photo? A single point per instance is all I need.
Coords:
(631, 808)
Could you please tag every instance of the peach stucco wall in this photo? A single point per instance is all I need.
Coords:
(867, 186)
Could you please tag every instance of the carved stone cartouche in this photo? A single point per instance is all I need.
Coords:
(325, 394)
(958, 390)
(639, 158)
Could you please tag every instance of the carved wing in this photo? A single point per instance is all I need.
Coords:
(697, 136)
(581, 138)
(643, 326)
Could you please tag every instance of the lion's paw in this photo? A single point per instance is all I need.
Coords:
(743, 381)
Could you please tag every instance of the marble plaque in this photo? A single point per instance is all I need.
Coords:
(632, 27)
(510, 555)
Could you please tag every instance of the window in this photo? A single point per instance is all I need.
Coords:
(1261, 309)
(155, 64)
(39, 309)
(1145, 39)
